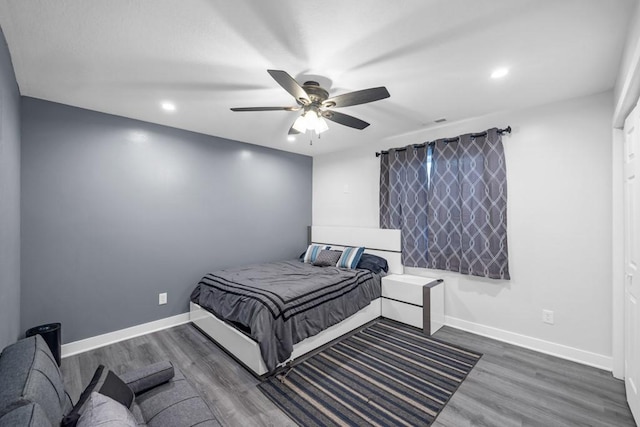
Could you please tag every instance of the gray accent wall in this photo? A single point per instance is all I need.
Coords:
(115, 211)
(9, 199)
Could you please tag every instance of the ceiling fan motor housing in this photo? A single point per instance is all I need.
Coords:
(317, 95)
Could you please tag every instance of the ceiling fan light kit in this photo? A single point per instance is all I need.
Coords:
(317, 106)
(310, 120)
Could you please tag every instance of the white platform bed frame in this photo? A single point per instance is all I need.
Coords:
(384, 243)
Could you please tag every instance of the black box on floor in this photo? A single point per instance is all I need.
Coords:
(51, 334)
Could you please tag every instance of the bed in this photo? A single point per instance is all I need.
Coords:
(277, 312)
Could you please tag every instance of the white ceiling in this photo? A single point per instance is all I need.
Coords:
(124, 57)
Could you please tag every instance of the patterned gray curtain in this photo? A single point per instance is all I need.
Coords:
(403, 200)
(468, 206)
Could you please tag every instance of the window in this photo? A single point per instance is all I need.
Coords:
(449, 198)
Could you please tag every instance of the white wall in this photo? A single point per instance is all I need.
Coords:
(559, 225)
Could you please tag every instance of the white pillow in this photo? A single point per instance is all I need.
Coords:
(104, 411)
(313, 251)
(350, 257)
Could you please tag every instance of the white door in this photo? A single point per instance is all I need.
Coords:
(632, 261)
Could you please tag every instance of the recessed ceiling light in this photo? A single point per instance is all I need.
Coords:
(499, 73)
(291, 138)
(168, 106)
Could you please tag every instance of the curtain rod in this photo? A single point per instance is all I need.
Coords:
(473, 135)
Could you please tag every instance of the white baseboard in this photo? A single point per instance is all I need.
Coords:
(562, 351)
(87, 344)
(547, 347)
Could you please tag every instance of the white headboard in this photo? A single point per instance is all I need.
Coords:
(383, 243)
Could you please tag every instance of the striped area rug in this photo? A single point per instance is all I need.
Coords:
(385, 375)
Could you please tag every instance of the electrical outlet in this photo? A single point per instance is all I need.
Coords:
(547, 316)
(162, 298)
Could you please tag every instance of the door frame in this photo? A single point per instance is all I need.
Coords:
(617, 254)
(629, 81)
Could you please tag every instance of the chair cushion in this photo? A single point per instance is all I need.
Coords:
(148, 377)
(103, 411)
(31, 374)
(29, 415)
(104, 382)
(175, 404)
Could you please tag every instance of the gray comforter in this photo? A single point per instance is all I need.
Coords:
(282, 303)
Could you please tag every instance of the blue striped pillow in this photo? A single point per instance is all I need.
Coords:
(350, 257)
(313, 251)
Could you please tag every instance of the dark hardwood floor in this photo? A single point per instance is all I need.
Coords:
(510, 386)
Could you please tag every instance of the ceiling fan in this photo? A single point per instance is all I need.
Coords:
(316, 105)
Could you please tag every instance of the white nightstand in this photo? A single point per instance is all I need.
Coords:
(414, 300)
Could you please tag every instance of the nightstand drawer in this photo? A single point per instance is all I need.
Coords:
(403, 288)
(414, 300)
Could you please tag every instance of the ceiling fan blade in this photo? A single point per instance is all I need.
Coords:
(357, 97)
(345, 119)
(265, 109)
(290, 85)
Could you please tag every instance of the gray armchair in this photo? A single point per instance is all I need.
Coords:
(32, 391)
